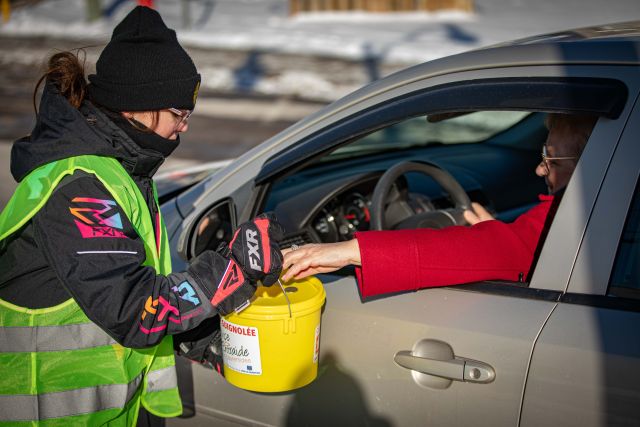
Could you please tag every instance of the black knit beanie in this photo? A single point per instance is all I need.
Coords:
(144, 68)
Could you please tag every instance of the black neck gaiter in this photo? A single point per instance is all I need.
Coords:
(147, 140)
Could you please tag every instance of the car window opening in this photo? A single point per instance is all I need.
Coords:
(493, 154)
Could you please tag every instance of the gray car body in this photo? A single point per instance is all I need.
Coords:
(559, 358)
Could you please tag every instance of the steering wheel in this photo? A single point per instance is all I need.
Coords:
(389, 203)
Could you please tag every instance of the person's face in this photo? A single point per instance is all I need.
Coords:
(561, 158)
(170, 122)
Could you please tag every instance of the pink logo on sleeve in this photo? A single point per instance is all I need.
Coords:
(95, 221)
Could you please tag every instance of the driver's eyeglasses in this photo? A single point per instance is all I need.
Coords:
(181, 115)
(546, 158)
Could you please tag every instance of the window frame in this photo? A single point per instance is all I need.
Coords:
(594, 95)
(517, 93)
(598, 249)
(592, 216)
(620, 291)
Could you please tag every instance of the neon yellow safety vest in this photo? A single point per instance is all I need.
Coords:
(57, 368)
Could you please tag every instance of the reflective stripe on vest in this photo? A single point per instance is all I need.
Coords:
(67, 403)
(20, 339)
(57, 354)
(161, 379)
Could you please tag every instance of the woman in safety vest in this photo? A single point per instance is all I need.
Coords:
(88, 302)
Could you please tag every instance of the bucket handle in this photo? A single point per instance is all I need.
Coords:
(286, 296)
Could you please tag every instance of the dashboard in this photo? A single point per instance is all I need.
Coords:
(349, 211)
(330, 202)
(343, 215)
(336, 210)
(329, 198)
(329, 212)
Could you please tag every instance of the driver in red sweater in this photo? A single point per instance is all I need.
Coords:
(488, 250)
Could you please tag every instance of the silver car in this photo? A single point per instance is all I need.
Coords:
(560, 349)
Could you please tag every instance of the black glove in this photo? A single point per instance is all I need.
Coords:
(255, 247)
(223, 278)
(202, 344)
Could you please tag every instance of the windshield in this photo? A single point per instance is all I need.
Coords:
(449, 128)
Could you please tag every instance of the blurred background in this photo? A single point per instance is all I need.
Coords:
(267, 63)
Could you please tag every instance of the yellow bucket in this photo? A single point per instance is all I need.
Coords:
(273, 344)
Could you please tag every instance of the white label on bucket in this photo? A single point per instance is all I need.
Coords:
(241, 348)
(316, 349)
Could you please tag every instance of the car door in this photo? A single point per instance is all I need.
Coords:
(585, 368)
(370, 353)
(358, 381)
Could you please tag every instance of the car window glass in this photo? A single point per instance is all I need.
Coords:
(448, 128)
(214, 227)
(625, 279)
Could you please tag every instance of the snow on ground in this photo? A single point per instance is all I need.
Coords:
(265, 26)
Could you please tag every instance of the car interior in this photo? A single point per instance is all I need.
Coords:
(400, 167)
(492, 154)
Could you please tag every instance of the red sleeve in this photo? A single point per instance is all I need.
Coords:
(405, 260)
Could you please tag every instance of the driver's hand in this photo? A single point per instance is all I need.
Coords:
(312, 259)
(477, 214)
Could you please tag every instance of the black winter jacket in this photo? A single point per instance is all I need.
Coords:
(52, 259)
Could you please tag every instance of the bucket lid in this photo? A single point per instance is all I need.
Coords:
(304, 296)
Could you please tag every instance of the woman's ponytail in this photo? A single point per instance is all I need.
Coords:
(66, 72)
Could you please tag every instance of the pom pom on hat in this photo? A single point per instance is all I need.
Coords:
(144, 68)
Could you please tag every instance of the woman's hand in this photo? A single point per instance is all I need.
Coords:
(477, 214)
(319, 258)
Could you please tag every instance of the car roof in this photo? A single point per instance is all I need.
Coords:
(620, 30)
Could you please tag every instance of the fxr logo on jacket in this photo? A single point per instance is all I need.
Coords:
(168, 313)
(157, 313)
(95, 222)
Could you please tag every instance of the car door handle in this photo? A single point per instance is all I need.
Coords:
(457, 368)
